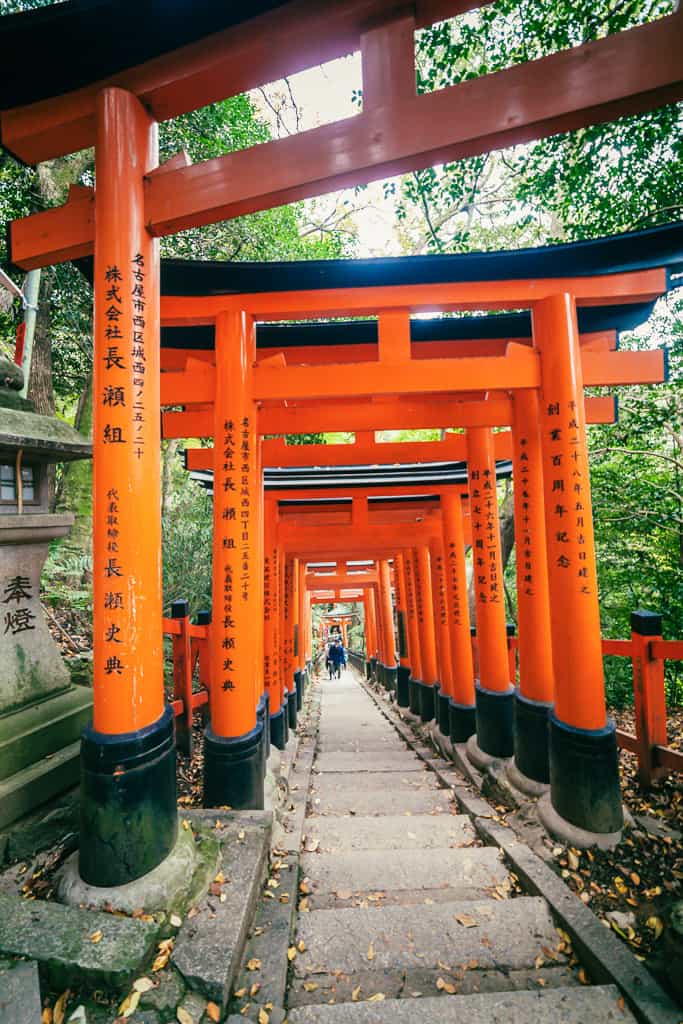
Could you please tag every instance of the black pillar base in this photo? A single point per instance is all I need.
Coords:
(403, 686)
(368, 670)
(426, 699)
(263, 716)
(129, 814)
(463, 721)
(278, 729)
(285, 715)
(531, 738)
(584, 776)
(443, 715)
(299, 688)
(414, 695)
(292, 708)
(495, 713)
(234, 770)
(390, 678)
(373, 668)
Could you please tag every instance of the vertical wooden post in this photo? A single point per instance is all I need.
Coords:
(649, 697)
(373, 631)
(128, 823)
(583, 750)
(462, 708)
(389, 644)
(494, 691)
(300, 643)
(288, 623)
(425, 621)
(182, 675)
(403, 670)
(444, 692)
(534, 697)
(234, 750)
(415, 678)
(272, 660)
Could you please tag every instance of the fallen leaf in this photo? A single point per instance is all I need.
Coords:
(129, 1004)
(445, 986)
(143, 985)
(254, 989)
(254, 964)
(46, 1016)
(310, 986)
(60, 1007)
(573, 860)
(466, 920)
(371, 952)
(183, 1016)
(220, 878)
(377, 998)
(344, 894)
(303, 887)
(263, 1017)
(583, 977)
(635, 877)
(355, 994)
(176, 920)
(186, 824)
(215, 889)
(240, 992)
(656, 924)
(96, 937)
(303, 905)
(291, 953)
(284, 898)
(213, 1012)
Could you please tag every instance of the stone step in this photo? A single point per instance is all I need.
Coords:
(33, 786)
(467, 874)
(59, 939)
(600, 1004)
(391, 832)
(333, 740)
(507, 935)
(39, 730)
(352, 782)
(381, 800)
(368, 761)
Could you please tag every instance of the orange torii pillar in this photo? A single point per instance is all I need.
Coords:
(443, 690)
(462, 704)
(299, 631)
(235, 741)
(272, 649)
(129, 817)
(495, 692)
(403, 670)
(388, 664)
(584, 778)
(371, 617)
(425, 622)
(414, 654)
(529, 770)
(289, 631)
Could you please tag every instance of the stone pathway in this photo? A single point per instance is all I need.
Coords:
(401, 902)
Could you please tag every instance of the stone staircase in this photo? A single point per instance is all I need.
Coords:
(407, 916)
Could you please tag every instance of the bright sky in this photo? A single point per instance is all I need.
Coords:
(324, 94)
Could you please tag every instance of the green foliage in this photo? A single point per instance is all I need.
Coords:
(187, 543)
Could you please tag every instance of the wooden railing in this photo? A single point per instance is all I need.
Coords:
(190, 651)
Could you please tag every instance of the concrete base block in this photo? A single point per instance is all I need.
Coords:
(168, 887)
(563, 830)
(20, 992)
(35, 785)
(523, 783)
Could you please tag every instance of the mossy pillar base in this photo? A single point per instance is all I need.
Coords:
(278, 729)
(129, 815)
(373, 668)
(403, 686)
(426, 701)
(414, 686)
(389, 678)
(463, 721)
(292, 708)
(584, 777)
(531, 738)
(234, 770)
(299, 688)
(263, 716)
(368, 670)
(495, 713)
(443, 716)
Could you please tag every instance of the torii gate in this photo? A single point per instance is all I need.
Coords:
(66, 106)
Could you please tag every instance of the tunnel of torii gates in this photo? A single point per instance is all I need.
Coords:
(87, 90)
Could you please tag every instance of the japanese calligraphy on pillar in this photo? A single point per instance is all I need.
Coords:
(246, 455)
(566, 470)
(485, 535)
(17, 596)
(441, 589)
(227, 497)
(452, 556)
(526, 551)
(417, 596)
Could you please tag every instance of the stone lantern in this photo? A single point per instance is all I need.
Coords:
(41, 712)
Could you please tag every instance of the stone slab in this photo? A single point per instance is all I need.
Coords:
(35, 785)
(466, 874)
(381, 801)
(391, 832)
(332, 740)
(368, 761)
(506, 934)
(33, 732)
(58, 938)
(20, 992)
(45, 829)
(351, 782)
(606, 958)
(209, 945)
(599, 1004)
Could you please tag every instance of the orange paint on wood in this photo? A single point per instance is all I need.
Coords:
(462, 666)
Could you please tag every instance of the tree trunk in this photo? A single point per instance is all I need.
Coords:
(40, 390)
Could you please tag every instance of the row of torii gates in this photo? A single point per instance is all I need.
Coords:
(218, 381)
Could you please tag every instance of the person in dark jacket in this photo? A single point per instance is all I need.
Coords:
(338, 657)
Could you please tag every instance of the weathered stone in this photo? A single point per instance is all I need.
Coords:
(194, 1005)
(58, 938)
(35, 785)
(600, 1005)
(368, 761)
(167, 993)
(390, 832)
(44, 831)
(19, 992)
(209, 945)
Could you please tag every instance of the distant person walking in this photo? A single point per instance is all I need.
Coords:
(338, 658)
